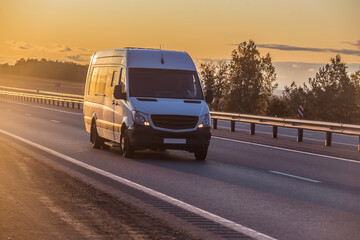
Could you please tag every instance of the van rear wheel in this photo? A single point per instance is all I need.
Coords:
(126, 148)
(96, 141)
(201, 154)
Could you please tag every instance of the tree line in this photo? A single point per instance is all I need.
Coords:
(246, 84)
(46, 69)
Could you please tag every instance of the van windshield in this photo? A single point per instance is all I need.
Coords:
(164, 83)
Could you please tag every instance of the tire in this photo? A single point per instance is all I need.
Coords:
(201, 154)
(125, 145)
(96, 141)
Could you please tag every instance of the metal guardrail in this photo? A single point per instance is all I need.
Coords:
(301, 125)
(52, 98)
(76, 101)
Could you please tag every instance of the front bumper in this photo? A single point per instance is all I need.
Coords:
(143, 137)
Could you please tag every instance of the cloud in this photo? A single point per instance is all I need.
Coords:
(62, 48)
(307, 49)
(86, 50)
(17, 45)
(356, 43)
(208, 60)
(80, 57)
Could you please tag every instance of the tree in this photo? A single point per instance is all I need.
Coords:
(46, 69)
(215, 76)
(207, 75)
(294, 96)
(355, 80)
(252, 80)
(277, 107)
(333, 94)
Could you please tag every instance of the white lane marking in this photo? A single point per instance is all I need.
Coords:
(294, 176)
(55, 121)
(287, 150)
(56, 110)
(220, 220)
(27, 114)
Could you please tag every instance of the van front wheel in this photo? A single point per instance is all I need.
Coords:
(200, 155)
(126, 148)
(96, 141)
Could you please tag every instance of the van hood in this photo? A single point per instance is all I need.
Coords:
(168, 106)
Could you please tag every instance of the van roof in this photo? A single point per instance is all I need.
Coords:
(151, 58)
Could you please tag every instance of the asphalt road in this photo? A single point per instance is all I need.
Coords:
(283, 194)
(40, 202)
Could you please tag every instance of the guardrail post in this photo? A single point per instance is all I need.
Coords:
(67, 104)
(300, 135)
(72, 105)
(359, 144)
(328, 139)
(214, 123)
(232, 126)
(275, 131)
(252, 128)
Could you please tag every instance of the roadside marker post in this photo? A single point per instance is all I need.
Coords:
(300, 112)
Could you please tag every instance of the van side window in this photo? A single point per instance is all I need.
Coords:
(115, 77)
(112, 80)
(123, 79)
(101, 81)
(195, 86)
(94, 77)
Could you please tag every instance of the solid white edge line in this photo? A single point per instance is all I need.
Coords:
(55, 121)
(56, 110)
(287, 150)
(294, 176)
(230, 224)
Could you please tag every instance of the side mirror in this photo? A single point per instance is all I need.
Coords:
(118, 94)
(209, 96)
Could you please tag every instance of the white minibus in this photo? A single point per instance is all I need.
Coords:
(140, 99)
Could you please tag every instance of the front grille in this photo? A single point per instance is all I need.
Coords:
(174, 121)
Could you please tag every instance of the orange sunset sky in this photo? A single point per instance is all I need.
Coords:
(301, 35)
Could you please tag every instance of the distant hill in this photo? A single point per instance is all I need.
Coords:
(46, 69)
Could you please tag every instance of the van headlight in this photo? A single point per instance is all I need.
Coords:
(141, 118)
(204, 121)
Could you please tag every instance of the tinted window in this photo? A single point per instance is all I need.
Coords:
(123, 80)
(164, 83)
(101, 80)
(94, 77)
(111, 81)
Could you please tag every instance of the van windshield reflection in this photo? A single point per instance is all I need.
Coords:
(164, 83)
